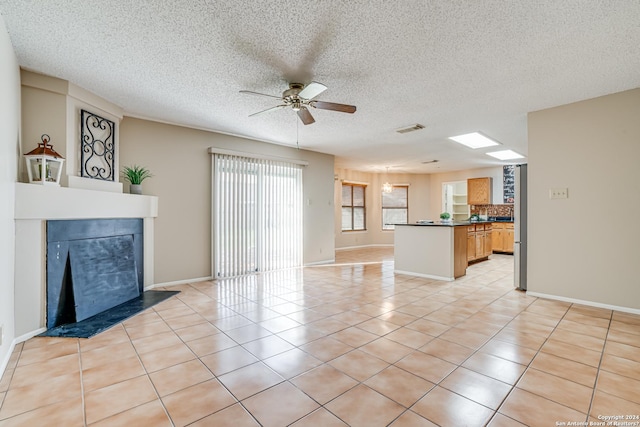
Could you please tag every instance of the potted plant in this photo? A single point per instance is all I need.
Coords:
(135, 175)
(445, 216)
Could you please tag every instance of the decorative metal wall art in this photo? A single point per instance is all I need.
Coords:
(508, 183)
(97, 147)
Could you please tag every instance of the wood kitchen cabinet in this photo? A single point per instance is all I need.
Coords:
(502, 237)
(479, 191)
(479, 238)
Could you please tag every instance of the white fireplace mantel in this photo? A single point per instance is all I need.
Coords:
(36, 204)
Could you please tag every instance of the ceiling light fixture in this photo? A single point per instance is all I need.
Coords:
(505, 155)
(411, 128)
(386, 187)
(474, 140)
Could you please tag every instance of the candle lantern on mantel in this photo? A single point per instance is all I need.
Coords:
(44, 165)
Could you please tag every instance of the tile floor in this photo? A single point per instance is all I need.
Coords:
(344, 344)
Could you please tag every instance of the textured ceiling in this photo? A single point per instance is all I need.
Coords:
(453, 66)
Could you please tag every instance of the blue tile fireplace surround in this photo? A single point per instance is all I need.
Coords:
(95, 275)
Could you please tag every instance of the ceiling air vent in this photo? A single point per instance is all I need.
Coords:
(412, 128)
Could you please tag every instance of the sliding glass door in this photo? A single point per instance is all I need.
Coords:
(257, 215)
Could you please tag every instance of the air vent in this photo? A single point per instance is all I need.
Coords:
(430, 161)
(412, 128)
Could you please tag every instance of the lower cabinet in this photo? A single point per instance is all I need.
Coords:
(502, 237)
(479, 241)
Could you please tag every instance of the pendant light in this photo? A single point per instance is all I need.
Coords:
(386, 187)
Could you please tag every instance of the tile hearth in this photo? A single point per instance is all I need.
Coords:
(343, 344)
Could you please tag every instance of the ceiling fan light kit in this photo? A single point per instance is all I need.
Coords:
(299, 98)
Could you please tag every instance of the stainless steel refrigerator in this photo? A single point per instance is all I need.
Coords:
(520, 227)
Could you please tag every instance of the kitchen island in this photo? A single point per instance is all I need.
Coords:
(435, 250)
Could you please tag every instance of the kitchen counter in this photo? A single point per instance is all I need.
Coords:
(446, 224)
(433, 250)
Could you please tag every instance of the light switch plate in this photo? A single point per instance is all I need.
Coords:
(559, 193)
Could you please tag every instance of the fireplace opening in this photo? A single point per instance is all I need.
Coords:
(95, 275)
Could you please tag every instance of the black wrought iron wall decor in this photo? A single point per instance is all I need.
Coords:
(97, 150)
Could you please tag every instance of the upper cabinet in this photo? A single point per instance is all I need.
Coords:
(479, 191)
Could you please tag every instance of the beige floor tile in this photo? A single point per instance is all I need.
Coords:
(280, 405)
(616, 336)
(168, 356)
(466, 338)
(621, 366)
(608, 404)
(22, 399)
(64, 413)
(579, 340)
(378, 326)
(292, 363)
(196, 402)
(247, 333)
(227, 319)
(585, 329)
(279, 324)
(446, 408)
(564, 368)
(111, 373)
(362, 406)
(359, 365)
(147, 329)
(116, 398)
(622, 350)
(398, 317)
(556, 389)
(387, 350)
(429, 327)
(249, 380)
(268, 346)
(228, 360)
(409, 337)
(618, 385)
(521, 339)
(477, 387)
(399, 385)
(426, 366)
(178, 377)
(411, 419)
(319, 417)
(500, 420)
(115, 335)
(354, 337)
(7, 377)
(194, 332)
(495, 367)
(300, 335)
(54, 349)
(326, 349)
(572, 352)
(324, 383)
(150, 414)
(156, 342)
(106, 354)
(536, 411)
(447, 350)
(211, 344)
(180, 322)
(509, 351)
(28, 374)
(232, 416)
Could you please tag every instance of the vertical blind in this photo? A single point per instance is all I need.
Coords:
(257, 215)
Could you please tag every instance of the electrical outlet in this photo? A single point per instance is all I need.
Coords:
(559, 193)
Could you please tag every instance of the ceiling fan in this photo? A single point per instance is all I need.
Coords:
(299, 98)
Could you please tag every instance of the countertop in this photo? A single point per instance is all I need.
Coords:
(453, 223)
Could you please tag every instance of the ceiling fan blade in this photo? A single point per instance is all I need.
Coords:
(277, 107)
(344, 108)
(312, 90)
(259, 94)
(305, 116)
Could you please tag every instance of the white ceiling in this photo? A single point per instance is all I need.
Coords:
(453, 66)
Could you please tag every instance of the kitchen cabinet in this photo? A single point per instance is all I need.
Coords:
(479, 238)
(479, 191)
(502, 237)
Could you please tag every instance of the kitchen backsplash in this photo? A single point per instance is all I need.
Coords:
(492, 210)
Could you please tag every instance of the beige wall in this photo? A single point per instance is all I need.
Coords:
(586, 247)
(419, 187)
(179, 159)
(9, 157)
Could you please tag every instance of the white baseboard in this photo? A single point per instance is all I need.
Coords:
(426, 276)
(327, 261)
(178, 282)
(23, 338)
(347, 248)
(12, 347)
(583, 302)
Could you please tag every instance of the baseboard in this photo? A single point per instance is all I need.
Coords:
(426, 276)
(5, 361)
(374, 245)
(178, 282)
(23, 338)
(328, 261)
(583, 302)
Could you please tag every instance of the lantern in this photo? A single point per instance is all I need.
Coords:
(44, 165)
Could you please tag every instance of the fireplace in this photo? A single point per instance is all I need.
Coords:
(92, 265)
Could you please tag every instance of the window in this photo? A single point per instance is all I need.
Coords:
(353, 207)
(395, 206)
